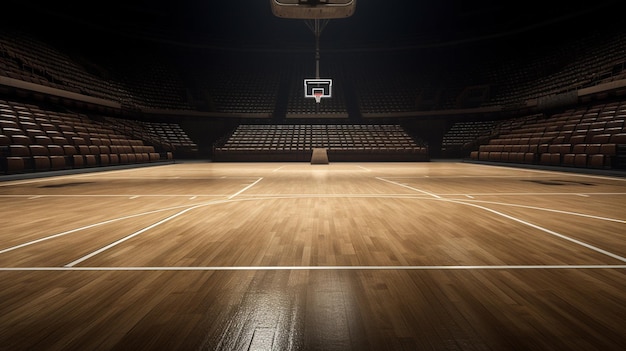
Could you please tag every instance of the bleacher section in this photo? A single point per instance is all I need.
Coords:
(234, 85)
(462, 135)
(590, 137)
(295, 142)
(34, 139)
(168, 136)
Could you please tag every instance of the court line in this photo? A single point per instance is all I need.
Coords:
(244, 189)
(290, 196)
(110, 195)
(406, 196)
(529, 194)
(66, 176)
(550, 210)
(154, 225)
(117, 242)
(311, 195)
(177, 177)
(409, 187)
(259, 179)
(581, 243)
(466, 176)
(312, 268)
(555, 172)
(92, 226)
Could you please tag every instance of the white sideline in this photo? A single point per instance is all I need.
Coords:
(311, 268)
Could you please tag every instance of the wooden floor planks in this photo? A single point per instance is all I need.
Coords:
(293, 256)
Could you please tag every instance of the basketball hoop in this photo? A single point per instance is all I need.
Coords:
(318, 89)
(318, 97)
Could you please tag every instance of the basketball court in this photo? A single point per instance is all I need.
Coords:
(298, 256)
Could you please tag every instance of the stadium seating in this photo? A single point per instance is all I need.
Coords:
(295, 142)
(575, 138)
(33, 139)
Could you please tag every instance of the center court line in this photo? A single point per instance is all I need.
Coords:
(581, 243)
(409, 187)
(311, 268)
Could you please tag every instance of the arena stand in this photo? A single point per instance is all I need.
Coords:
(562, 105)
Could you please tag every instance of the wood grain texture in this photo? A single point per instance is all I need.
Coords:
(293, 256)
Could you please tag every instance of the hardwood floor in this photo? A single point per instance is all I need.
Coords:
(293, 256)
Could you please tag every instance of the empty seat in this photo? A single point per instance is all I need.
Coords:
(580, 160)
(10, 131)
(38, 150)
(59, 140)
(41, 163)
(4, 123)
(20, 139)
(608, 149)
(42, 140)
(57, 157)
(104, 159)
(600, 138)
(597, 161)
(619, 138)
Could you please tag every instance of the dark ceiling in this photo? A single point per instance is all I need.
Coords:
(251, 24)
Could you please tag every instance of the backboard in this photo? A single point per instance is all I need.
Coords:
(313, 9)
(318, 89)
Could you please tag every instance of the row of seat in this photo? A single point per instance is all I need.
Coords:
(33, 139)
(22, 158)
(307, 137)
(584, 137)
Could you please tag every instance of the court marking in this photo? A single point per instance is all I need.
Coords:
(36, 196)
(553, 172)
(154, 225)
(311, 268)
(431, 197)
(409, 187)
(295, 196)
(551, 210)
(470, 195)
(46, 178)
(530, 194)
(53, 236)
(551, 232)
(130, 236)
(244, 189)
